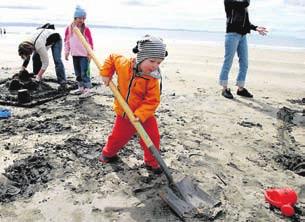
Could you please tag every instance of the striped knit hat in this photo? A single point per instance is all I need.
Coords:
(149, 47)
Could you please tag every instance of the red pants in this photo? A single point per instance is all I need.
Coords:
(122, 132)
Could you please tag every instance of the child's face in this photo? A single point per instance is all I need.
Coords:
(149, 65)
(79, 21)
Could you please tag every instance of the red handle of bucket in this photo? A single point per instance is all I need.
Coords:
(287, 210)
(282, 198)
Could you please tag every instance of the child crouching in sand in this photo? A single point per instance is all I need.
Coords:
(138, 83)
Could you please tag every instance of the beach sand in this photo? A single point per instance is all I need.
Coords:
(234, 149)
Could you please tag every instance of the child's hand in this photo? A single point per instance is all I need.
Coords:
(38, 77)
(67, 56)
(136, 119)
(105, 80)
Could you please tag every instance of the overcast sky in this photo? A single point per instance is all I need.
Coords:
(185, 14)
(140, 13)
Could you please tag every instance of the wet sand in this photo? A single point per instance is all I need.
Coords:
(234, 149)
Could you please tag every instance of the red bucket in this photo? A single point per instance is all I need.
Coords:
(282, 198)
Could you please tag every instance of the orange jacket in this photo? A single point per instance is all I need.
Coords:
(142, 93)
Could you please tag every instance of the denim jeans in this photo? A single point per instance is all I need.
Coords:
(235, 42)
(81, 69)
(59, 66)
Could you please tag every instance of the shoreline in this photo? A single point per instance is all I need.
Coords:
(184, 36)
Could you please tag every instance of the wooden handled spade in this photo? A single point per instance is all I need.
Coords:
(186, 199)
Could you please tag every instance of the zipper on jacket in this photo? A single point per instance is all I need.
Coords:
(232, 14)
(245, 19)
(128, 93)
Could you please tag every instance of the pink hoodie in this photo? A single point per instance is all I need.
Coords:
(73, 44)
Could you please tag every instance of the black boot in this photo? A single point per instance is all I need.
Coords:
(244, 92)
(227, 93)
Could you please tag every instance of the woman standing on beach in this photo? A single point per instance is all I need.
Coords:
(238, 26)
(79, 54)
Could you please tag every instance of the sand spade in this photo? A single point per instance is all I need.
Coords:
(186, 199)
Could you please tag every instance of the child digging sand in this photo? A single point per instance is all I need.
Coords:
(138, 83)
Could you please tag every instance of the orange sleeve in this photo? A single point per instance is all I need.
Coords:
(112, 62)
(151, 101)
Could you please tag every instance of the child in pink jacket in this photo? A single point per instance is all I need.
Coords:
(79, 54)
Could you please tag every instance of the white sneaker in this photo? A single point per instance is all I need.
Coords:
(86, 93)
(78, 91)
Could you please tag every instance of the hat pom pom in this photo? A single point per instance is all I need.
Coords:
(79, 12)
(135, 49)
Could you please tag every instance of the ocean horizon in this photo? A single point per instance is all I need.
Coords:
(180, 35)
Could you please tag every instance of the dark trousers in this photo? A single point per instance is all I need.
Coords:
(59, 66)
(82, 71)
